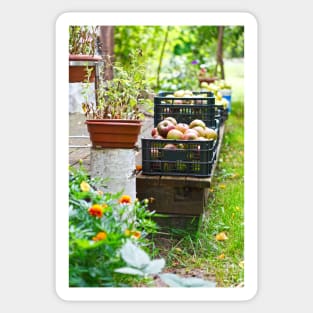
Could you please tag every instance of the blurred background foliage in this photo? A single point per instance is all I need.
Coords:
(174, 54)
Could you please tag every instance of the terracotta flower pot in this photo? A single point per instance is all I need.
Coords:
(208, 80)
(77, 67)
(111, 133)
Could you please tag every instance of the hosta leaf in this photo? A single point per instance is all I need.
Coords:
(130, 271)
(134, 256)
(173, 280)
(155, 266)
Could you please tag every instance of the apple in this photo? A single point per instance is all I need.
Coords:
(164, 127)
(171, 119)
(182, 127)
(188, 93)
(200, 130)
(175, 134)
(170, 146)
(169, 100)
(158, 137)
(204, 85)
(197, 122)
(188, 101)
(190, 134)
(154, 132)
(210, 133)
(179, 93)
(178, 102)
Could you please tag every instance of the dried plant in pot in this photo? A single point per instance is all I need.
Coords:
(83, 47)
(114, 121)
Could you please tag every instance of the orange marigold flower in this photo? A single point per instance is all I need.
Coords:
(136, 234)
(84, 186)
(100, 236)
(96, 210)
(125, 199)
(138, 168)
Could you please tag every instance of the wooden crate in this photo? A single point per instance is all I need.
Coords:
(175, 195)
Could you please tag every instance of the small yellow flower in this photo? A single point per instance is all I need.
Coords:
(242, 264)
(221, 236)
(127, 232)
(221, 256)
(211, 190)
(84, 186)
(237, 208)
(222, 186)
(100, 236)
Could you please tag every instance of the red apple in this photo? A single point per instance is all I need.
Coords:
(154, 132)
(190, 134)
(182, 127)
(158, 137)
(164, 127)
(197, 122)
(174, 134)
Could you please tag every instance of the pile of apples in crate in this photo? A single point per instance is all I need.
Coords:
(169, 128)
(184, 140)
(184, 97)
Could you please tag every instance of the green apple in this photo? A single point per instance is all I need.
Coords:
(174, 134)
(200, 130)
(197, 122)
(179, 93)
(210, 133)
(171, 119)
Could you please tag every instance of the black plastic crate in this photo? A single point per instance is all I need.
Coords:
(221, 114)
(190, 158)
(199, 106)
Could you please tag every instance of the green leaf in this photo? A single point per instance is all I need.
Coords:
(155, 266)
(134, 256)
(130, 271)
(173, 280)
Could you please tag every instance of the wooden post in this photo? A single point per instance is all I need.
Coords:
(219, 52)
(107, 48)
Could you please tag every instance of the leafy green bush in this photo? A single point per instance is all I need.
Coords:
(100, 223)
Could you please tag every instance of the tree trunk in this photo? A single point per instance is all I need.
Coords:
(161, 57)
(219, 52)
(107, 48)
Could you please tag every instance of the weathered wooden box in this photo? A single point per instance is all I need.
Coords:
(174, 195)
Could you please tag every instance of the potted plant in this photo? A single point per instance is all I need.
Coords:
(114, 121)
(206, 74)
(83, 44)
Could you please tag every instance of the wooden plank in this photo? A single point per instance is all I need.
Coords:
(181, 200)
(76, 154)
